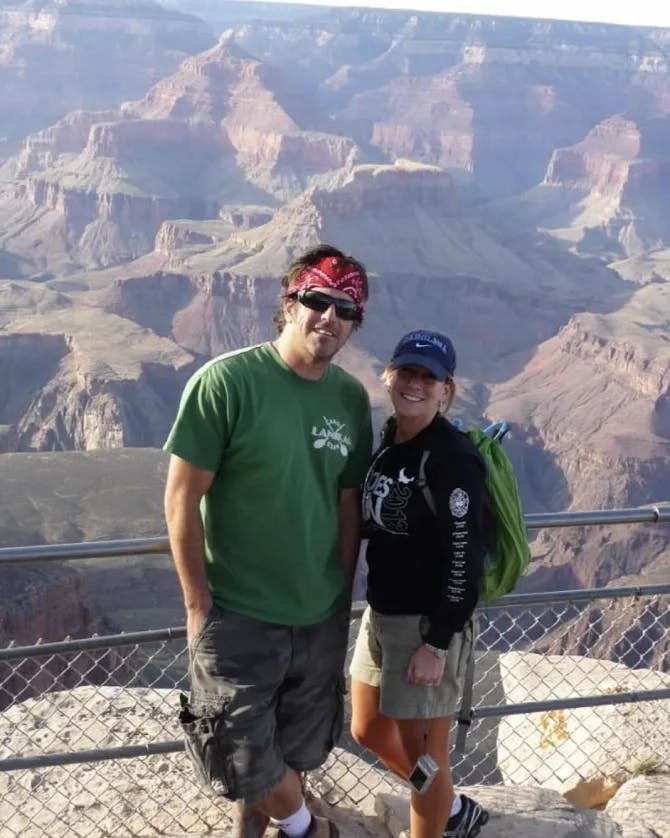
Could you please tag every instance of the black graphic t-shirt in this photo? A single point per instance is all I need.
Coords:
(420, 562)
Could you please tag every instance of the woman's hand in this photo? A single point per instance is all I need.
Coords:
(425, 668)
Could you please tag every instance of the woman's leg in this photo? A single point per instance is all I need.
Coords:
(376, 732)
(429, 812)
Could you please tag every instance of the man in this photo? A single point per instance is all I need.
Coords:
(269, 449)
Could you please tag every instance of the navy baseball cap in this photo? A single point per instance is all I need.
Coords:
(427, 349)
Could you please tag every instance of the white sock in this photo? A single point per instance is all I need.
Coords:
(297, 824)
(456, 806)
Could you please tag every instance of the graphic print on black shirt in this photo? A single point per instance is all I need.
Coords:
(385, 499)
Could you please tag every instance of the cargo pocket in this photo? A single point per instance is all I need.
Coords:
(208, 749)
(337, 726)
(200, 633)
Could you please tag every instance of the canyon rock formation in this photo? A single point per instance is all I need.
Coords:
(59, 56)
(505, 181)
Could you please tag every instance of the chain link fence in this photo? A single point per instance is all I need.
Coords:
(90, 746)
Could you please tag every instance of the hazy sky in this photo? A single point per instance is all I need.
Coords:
(632, 12)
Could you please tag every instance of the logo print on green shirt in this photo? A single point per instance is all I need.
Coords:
(332, 436)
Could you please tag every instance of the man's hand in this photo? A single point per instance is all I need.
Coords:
(195, 618)
(425, 668)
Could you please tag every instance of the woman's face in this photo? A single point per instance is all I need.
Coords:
(415, 393)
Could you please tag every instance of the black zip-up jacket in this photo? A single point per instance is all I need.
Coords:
(420, 562)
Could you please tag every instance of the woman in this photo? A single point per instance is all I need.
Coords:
(423, 582)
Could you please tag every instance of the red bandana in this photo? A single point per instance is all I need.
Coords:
(332, 272)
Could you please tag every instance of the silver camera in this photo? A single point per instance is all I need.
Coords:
(424, 772)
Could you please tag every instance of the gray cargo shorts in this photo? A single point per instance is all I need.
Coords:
(263, 697)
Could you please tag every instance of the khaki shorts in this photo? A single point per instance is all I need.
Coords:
(383, 650)
(263, 697)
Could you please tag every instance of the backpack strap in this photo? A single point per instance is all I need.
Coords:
(497, 430)
(465, 713)
(422, 483)
(387, 432)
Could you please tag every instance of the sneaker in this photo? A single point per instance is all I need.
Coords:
(468, 822)
(318, 828)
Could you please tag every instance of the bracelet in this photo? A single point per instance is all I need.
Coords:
(439, 653)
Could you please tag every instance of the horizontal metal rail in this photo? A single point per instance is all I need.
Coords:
(139, 638)
(94, 755)
(492, 711)
(178, 632)
(84, 550)
(659, 514)
(83, 644)
(575, 595)
(571, 703)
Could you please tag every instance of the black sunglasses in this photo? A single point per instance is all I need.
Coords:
(317, 301)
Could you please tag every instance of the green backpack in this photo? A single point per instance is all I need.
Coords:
(509, 554)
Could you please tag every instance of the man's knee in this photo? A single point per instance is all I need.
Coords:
(285, 798)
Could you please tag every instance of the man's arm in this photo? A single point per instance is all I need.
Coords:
(186, 485)
(350, 532)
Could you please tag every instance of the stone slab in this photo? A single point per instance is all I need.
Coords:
(514, 813)
(642, 806)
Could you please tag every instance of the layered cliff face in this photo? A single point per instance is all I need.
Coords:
(637, 359)
(271, 125)
(616, 370)
(460, 275)
(82, 381)
(601, 160)
(441, 88)
(182, 234)
(229, 125)
(39, 604)
(450, 119)
(75, 179)
(388, 190)
(608, 192)
(73, 412)
(27, 362)
(56, 57)
(223, 128)
(596, 398)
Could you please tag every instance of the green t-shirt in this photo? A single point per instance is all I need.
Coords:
(281, 448)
